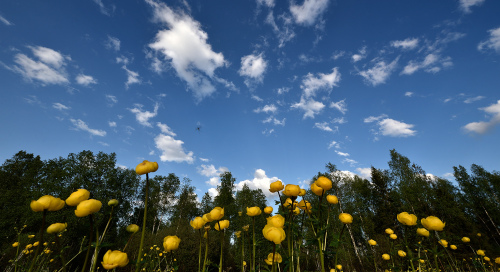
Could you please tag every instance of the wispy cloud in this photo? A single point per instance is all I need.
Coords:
(473, 99)
(340, 106)
(132, 77)
(112, 43)
(5, 21)
(483, 127)
(360, 55)
(379, 72)
(143, 116)
(103, 9)
(311, 83)
(111, 99)
(492, 43)
(85, 80)
(343, 154)
(310, 107)
(61, 107)
(409, 94)
(267, 109)
(323, 126)
(309, 12)
(166, 129)
(465, 5)
(406, 44)
(81, 125)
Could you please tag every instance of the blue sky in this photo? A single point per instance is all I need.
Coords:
(277, 88)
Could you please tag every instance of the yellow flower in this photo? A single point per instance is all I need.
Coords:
(57, 227)
(478, 234)
(216, 214)
(87, 207)
(47, 202)
(277, 258)
(433, 223)
(240, 213)
(113, 202)
(316, 189)
(407, 219)
(372, 242)
(224, 224)
(480, 252)
(497, 260)
(302, 192)
(76, 197)
(291, 190)
(393, 236)
(454, 247)
(113, 259)
(305, 205)
(277, 221)
(146, 167)
(197, 223)
(421, 261)
(273, 234)
(207, 218)
(324, 183)
(423, 232)
(253, 211)
(386, 257)
(35, 244)
(486, 258)
(288, 204)
(238, 234)
(339, 266)
(443, 243)
(296, 211)
(389, 231)
(345, 218)
(245, 228)
(132, 228)
(16, 244)
(244, 263)
(268, 210)
(276, 186)
(332, 199)
(401, 253)
(171, 243)
(465, 239)
(31, 236)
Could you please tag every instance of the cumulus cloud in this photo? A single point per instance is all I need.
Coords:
(143, 116)
(81, 125)
(267, 109)
(465, 5)
(407, 44)
(166, 129)
(112, 124)
(59, 106)
(274, 121)
(112, 43)
(253, 67)
(333, 144)
(365, 173)
(409, 94)
(323, 126)
(391, 127)
(85, 80)
(310, 107)
(343, 154)
(482, 127)
(309, 12)
(493, 42)
(311, 84)
(340, 106)
(184, 45)
(379, 72)
(260, 181)
(360, 55)
(172, 149)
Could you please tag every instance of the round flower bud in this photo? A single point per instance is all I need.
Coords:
(217, 213)
(47, 202)
(146, 167)
(276, 186)
(465, 239)
(324, 183)
(171, 243)
(87, 207)
(197, 223)
(372, 242)
(16, 244)
(432, 223)
(423, 232)
(316, 189)
(268, 210)
(393, 236)
(253, 211)
(389, 231)
(277, 221)
(443, 242)
(401, 253)
(332, 199)
(113, 259)
(407, 219)
(486, 258)
(221, 225)
(497, 260)
(113, 202)
(386, 257)
(57, 227)
(345, 218)
(291, 190)
(274, 234)
(480, 252)
(132, 228)
(454, 247)
(78, 196)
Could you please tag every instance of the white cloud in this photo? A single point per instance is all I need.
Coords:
(132, 77)
(309, 12)
(274, 121)
(473, 99)
(351, 162)
(409, 94)
(391, 127)
(407, 44)
(103, 143)
(338, 54)
(111, 99)
(430, 63)
(213, 192)
(340, 120)
(254, 67)
(267, 109)
(483, 127)
(112, 124)
(61, 107)
(311, 84)
(323, 126)
(81, 125)
(211, 171)
(49, 56)
(380, 72)
(172, 150)
(309, 106)
(102, 8)
(493, 42)
(283, 90)
(259, 181)
(143, 116)
(343, 154)
(333, 144)
(204, 160)
(184, 45)
(465, 5)
(365, 173)
(166, 129)
(85, 80)
(341, 106)
(360, 55)
(371, 119)
(5, 21)
(286, 33)
(113, 43)
(257, 98)
(268, 3)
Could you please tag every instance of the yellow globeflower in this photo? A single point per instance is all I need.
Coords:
(316, 189)
(389, 231)
(237, 234)
(197, 223)
(433, 223)
(386, 257)
(443, 242)
(224, 224)
(268, 210)
(78, 196)
(480, 252)
(47, 202)
(478, 234)
(324, 183)
(276, 186)
(296, 211)
(113, 259)
(421, 261)
(171, 243)
(339, 266)
(401, 253)
(277, 258)
(465, 239)
(393, 236)
(372, 242)
(291, 190)
(288, 204)
(274, 234)
(16, 244)
(497, 260)
(454, 247)
(277, 221)
(423, 232)
(305, 205)
(57, 227)
(217, 213)
(132, 228)
(253, 211)
(146, 167)
(302, 192)
(486, 258)
(207, 218)
(87, 207)
(345, 218)
(113, 202)
(31, 236)
(332, 199)
(407, 219)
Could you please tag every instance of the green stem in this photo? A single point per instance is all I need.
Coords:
(107, 225)
(206, 253)
(137, 267)
(338, 245)
(272, 263)
(436, 262)
(60, 252)
(410, 254)
(242, 250)
(321, 258)
(254, 244)
(96, 250)
(40, 243)
(221, 246)
(199, 254)
(91, 236)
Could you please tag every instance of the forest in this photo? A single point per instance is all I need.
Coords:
(382, 233)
